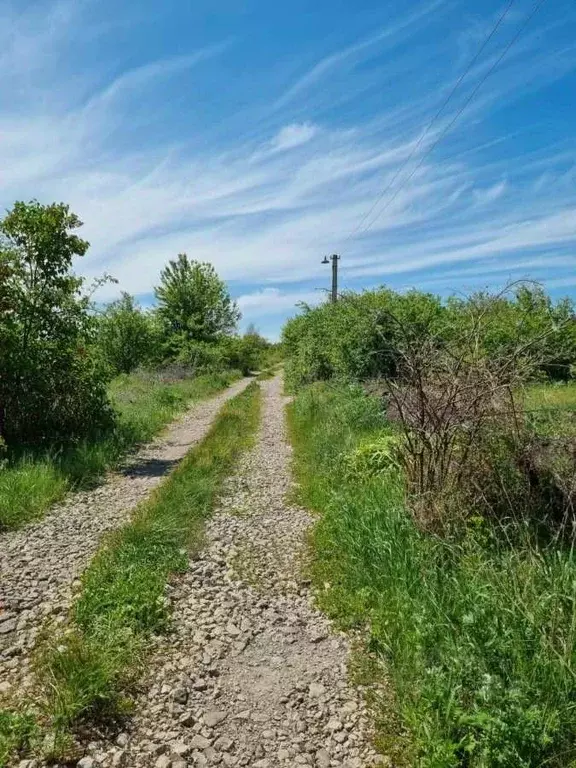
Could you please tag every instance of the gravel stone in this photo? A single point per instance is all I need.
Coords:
(265, 675)
(86, 762)
(200, 742)
(214, 717)
(40, 564)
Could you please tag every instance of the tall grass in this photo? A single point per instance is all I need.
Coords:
(145, 403)
(477, 638)
(558, 396)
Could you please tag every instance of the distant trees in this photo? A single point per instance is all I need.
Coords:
(58, 350)
(127, 336)
(52, 383)
(360, 336)
(193, 304)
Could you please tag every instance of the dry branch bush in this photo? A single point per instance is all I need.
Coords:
(467, 449)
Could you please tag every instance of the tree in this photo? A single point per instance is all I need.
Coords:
(194, 304)
(247, 353)
(51, 383)
(125, 335)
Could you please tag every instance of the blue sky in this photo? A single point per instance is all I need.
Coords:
(258, 135)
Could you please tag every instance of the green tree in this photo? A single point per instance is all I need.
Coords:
(126, 335)
(247, 353)
(194, 304)
(52, 385)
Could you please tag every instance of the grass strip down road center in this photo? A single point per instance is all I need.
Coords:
(85, 674)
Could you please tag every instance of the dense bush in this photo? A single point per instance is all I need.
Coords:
(52, 381)
(127, 336)
(194, 305)
(247, 353)
(356, 337)
(359, 336)
(202, 356)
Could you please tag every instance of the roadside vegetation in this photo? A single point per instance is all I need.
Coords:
(87, 672)
(442, 461)
(144, 403)
(82, 384)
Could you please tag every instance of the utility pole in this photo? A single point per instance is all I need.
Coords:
(334, 259)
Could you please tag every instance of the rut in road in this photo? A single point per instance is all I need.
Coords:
(40, 564)
(251, 674)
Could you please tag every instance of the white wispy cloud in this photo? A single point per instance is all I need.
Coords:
(268, 203)
(392, 34)
(490, 194)
(293, 135)
(273, 301)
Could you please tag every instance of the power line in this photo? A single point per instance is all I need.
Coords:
(459, 113)
(435, 117)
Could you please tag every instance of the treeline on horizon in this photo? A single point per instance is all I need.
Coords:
(362, 336)
(59, 349)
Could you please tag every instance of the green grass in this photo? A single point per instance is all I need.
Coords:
(552, 409)
(145, 404)
(86, 674)
(477, 641)
(542, 396)
(16, 732)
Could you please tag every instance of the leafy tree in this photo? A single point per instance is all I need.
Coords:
(247, 352)
(194, 304)
(51, 383)
(126, 335)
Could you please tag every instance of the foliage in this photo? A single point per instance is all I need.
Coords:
(144, 402)
(126, 335)
(375, 457)
(52, 385)
(193, 304)
(528, 320)
(17, 732)
(202, 356)
(247, 353)
(354, 338)
(476, 635)
(359, 336)
(468, 448)
(87, 671)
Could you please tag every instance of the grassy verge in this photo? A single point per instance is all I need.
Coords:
(145, 404)
(558, 396)
(477, 639)
(86, 674)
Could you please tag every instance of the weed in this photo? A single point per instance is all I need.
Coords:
(27, 489)
(478, 636)
(17, 733)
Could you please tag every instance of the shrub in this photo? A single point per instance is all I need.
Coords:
(126, 335)
(247, 353)
(194, 305)
(359, 336)
(52, 382)
(376, 457)
(467, 445)
(202, 357)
